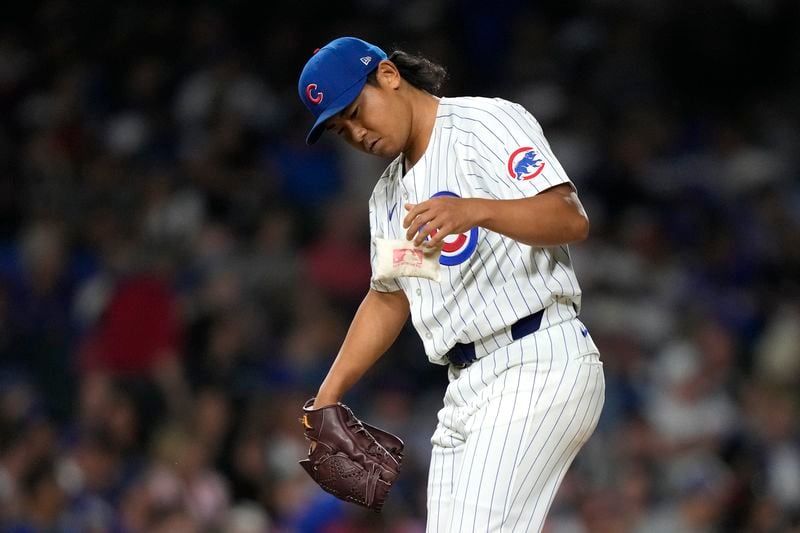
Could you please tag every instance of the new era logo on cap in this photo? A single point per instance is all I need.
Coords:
(334, 76)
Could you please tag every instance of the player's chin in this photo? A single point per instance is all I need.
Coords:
(387, 151)
(383, 147)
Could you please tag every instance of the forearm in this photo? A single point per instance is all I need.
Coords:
(374, 328)
(548, 219)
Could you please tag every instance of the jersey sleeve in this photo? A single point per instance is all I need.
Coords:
(377, 229)
(507, 154)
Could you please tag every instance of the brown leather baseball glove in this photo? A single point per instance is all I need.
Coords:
(352, 460)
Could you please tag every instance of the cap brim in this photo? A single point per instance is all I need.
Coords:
(344, 100)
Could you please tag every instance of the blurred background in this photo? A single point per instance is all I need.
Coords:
(178, 269)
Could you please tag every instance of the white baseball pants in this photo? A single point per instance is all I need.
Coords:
(511, 425)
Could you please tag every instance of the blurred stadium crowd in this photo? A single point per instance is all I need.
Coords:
(177, 268)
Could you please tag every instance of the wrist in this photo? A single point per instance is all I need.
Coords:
(325, 398)
(481, 211)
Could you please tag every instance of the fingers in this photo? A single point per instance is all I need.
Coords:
(432, 233)
(416, 220)
(426, 230)
(413, 211)
(437, 238)
(427, 220)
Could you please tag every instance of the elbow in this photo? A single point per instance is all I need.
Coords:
(577, 229)
(580, 229)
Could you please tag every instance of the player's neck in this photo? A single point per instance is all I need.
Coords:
(423, 118)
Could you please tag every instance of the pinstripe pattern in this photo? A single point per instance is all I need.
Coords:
(512, 422)
(503, 280)
(510, 427)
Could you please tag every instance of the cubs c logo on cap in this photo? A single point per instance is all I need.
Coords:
(524, 164)
(314, 98)
(457, 248)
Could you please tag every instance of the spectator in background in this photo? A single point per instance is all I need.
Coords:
(137, 333)
(42, 282)
(337, 259)
(690, 408)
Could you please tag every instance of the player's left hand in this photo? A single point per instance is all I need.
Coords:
(437, 218)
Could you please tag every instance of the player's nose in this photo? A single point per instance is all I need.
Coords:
(358, 133)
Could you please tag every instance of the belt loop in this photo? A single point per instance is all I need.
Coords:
(462, 355)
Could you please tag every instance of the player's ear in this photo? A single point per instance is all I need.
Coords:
(387, 75)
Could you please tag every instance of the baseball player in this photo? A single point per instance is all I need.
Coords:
(476, 178)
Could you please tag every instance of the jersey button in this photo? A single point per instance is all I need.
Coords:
(419, 291)
(429, 335)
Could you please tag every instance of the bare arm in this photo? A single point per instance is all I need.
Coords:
(550, 218)
(374, 328)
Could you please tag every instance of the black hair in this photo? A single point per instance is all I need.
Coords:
(420, 72)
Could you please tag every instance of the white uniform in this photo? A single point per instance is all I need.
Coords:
(513, 421)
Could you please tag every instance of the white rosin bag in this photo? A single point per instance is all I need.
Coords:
(400, 258)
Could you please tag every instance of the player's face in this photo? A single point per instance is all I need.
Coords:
(377, 122)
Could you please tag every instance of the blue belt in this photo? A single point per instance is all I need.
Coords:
(463, 355)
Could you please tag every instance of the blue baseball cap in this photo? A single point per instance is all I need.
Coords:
(334, 77)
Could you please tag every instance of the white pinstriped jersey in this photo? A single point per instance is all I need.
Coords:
(479, 148)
